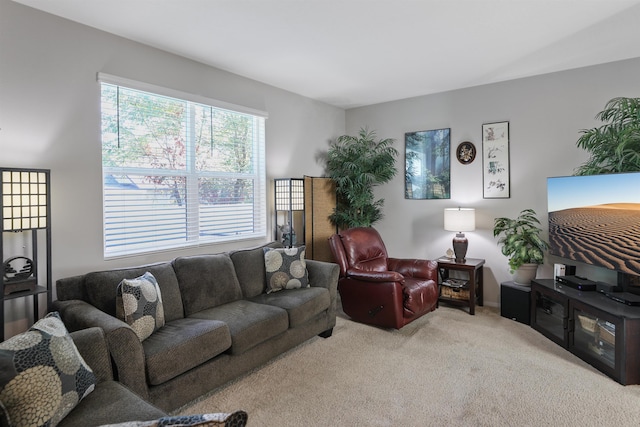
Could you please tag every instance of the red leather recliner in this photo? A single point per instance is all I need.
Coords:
(379, 290)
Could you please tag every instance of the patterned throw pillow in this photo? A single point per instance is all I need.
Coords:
(139, 304)
(236, 419)
(43, 375)
(285, 268)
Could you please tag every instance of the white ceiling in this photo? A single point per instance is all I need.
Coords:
(351, 53)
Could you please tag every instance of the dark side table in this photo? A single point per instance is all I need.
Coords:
(474, 269)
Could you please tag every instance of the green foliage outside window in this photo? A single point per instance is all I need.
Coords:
(146, 131)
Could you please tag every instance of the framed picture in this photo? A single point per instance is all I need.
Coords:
(427, 164)
(495, 160)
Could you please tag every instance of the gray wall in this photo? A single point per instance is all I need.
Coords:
(546, 114)
(49, 118)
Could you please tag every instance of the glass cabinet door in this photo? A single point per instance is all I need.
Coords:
(594, 337)
(550, 315)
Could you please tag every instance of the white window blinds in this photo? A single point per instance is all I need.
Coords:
(178, 172)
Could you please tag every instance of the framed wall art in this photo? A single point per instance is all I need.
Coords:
(495, 161)
(427, 164)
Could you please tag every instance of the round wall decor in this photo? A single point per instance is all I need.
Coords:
(466, 152)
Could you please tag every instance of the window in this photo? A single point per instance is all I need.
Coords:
(178, 170)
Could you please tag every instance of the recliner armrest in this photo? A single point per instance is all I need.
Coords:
(375, 276)
(418, 268)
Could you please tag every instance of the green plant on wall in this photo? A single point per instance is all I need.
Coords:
(357, 164)
(614, 146)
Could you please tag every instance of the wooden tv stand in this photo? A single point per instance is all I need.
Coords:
(600, 331)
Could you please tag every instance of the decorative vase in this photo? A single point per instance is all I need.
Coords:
(525, 274)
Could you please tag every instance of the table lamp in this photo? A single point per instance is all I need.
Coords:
(460, 220)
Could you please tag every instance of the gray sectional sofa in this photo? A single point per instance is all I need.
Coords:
(219, 321)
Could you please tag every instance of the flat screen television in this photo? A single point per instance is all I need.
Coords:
(595, 219)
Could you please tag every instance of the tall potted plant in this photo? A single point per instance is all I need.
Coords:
(614, 146)
(521, 242)
(357, 164)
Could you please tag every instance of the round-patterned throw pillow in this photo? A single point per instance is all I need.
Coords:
(139, 304)
(285, 268)
(235, 419)
(43, 375)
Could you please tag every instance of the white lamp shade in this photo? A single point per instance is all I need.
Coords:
(289, 194)
(23, 199)
(460, 219)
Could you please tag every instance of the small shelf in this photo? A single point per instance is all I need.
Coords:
(38, 290)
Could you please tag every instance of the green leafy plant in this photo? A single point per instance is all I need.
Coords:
(614, 146)
(357, 164)
(520, 239)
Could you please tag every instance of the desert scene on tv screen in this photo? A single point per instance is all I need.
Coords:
(595, 219)
(606, 235)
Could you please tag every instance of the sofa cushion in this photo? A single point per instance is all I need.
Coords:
(286, 268)
(102, 288)
(249, 323)
(301, 304)
(206, 281)
(139, 304)
(235, 419)
(110, 402)
(183, 344)
(249, 266)
(43, 375)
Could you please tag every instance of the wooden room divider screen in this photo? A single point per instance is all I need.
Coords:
(319, 202)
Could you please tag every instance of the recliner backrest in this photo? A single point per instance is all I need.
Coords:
(363, 249)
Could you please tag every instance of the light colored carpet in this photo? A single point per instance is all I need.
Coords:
(447, 368)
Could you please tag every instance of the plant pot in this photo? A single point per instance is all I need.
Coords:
(525, 274)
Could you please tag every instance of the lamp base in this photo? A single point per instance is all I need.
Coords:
(460, 245)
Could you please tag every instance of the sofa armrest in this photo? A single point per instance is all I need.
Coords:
(92, 345)
(323, 274)
(78, 314)
(123, 343)
(128, 356)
